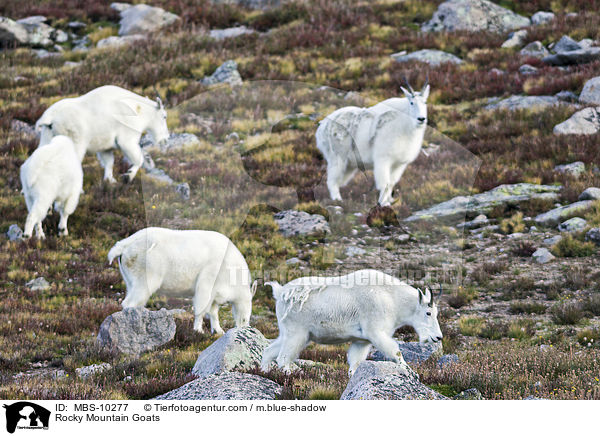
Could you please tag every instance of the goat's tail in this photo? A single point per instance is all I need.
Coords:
(117, 250)
(43, 127)
(277, 289)
(254, 287)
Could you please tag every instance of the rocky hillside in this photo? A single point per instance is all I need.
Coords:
(502, 207)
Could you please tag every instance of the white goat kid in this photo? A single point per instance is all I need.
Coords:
(52, 174)
(202, 264)
(385, 137)
(364, 307)
(104, 119)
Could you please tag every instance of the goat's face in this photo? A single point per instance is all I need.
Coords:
(417, 107)
(159, 129)
(425, 320)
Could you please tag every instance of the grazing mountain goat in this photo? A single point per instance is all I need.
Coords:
(52, 174)
(200, 263)
(364, 307)
(385, 137)
(106, 118)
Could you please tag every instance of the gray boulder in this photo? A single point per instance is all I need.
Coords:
(239, 349)
(12, 32)
(412, 352)
(575, 57)
(14, 233)
(525, 102)
(559, 214)
(387, 381)
(231, 32)
(458, 207)
(226, 386)
(183, 189)
(88, 371)
(593, 235)
(39, 34)
(552, 241)
(591, 92)
(353, 250)
(590, 194)
(469, 394)
(474, 16)
(542, 255)
(23, 128)
(568, 96)
(542, 17)
(565, 44)
(534, 49)
(295, 223)
(136, 330)
(226, 73)
(38, 284)
(447, 360)
(516, 39)
(527, 69)
(573, 225)
(583, 122)
(142, 18)
(431, 57)
(574, 169)
(119, 41)
(160, 176)
(479, 221)
(175, 141)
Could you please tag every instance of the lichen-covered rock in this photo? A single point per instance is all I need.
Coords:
(428, 56)
(591, 92)
(226, 386)
(175, 141)
(412, 352)
(12, 32)
(469, 394)
(584, 122)
(14, 233)
(559, 214)
(542, 255)
(239, 349)
(575, 57)
(458, 207)
(39, 34)
(387, 381)
(23, 128)
(183, 189)
(542, 17)
(38, 284)
(231, 32)
(593, 235)
(525, 102)
(591, 193)
(573, 225)
(226, 73)
(119, 41)
(91, 370)
(136, 330)
(294, 223)
(527, 69)
(142, 18)
(574, 169)
(474, 16)
(566, 44)
(517, 39)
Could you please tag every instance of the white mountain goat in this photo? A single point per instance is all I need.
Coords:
(52, 174)
(385, 137)
(364, 307)
(202, 264)
(106, 118)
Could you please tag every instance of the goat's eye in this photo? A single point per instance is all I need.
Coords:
(411, 103)
(428, 313)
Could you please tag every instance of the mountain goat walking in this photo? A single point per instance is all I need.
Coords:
(200, 263)
(106, 118)
(385, 137)
(52, 174)
(364, 307)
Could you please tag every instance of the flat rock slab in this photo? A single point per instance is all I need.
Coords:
(239, 349)
(142, 18)
(458, 207)
(474, 16)
(412, 352)
(575, 57)
(227, 386)
(387, 381)
(584, 122)
(522, 102)
(295, 223)
(136, 330)
(431, 57)
(230, 32)
(555, 216)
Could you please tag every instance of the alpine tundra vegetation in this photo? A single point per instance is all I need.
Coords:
(513, 327)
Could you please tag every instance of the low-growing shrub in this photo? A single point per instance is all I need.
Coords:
(567, 312)
(520, 307)
(592, 304)
(461, 297)
(571, 247)
(471, 325)
(589, 337)
(521, 329)
(524, 249)
(494, 330)
(514, 224)
(522, 287)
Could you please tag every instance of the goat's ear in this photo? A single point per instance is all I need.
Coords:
(425, 92)
(420, 296)
(406, 92)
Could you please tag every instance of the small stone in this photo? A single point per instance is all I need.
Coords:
(88, 371)
(552, 241)
(542, 17)
(294, 223)
(565, 44)
(14, 233)
(183, 189)
(293, 261)
(591, 91)
(573, 225)
(534, 49)
(231, 32)
(593, 235)
(119, 41)
(226, 73)
(567, 96)
(38, 284)
(584, 122)
(574, 169)
(352, 251)
(431, 57)
(142, 19)
(517, 39)
(469, 394)
(542, 255)
(527, 69)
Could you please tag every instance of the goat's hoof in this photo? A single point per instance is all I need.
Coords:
(126, 178)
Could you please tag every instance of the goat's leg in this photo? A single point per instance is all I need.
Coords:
(213, 314)
(395, 177)
(382, 173)
(291, 349)
(37, 213)
(335, 176)
(107, 160)
(270, 353)
(203, 296)
(388, 346)
(130, 146)
(357, 353)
